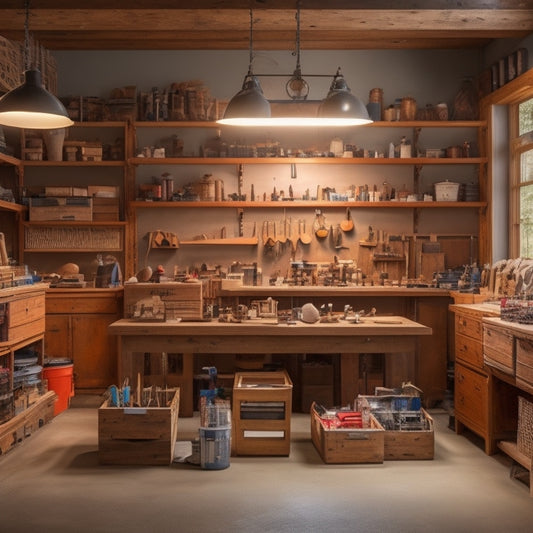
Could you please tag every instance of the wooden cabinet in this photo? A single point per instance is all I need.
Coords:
(483, 404)
(25, 408)
(76, 328)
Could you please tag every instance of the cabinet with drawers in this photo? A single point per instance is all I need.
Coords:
(483, 404)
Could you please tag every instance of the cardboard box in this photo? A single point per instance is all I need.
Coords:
(182, 300)
(138, 435)
(339, 445)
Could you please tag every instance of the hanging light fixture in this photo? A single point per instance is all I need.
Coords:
(249, 107)
(249, 104)
(30, 105)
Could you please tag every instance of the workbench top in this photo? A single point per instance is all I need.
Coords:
(382, 326)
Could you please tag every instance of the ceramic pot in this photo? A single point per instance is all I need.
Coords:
(53, 140)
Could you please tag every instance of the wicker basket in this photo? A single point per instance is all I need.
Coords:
(525, 427)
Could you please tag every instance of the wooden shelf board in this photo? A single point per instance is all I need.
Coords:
(235, 241)
(510, 448)
(307, 204)
(11, 206)
(409, 161)
(378, 124)
(73, 163)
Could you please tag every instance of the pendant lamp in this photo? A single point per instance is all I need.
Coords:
(341, 104)
(249, 104)
(249, 107)
(30, 105)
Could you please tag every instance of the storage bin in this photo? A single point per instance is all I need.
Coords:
(447, 191)
(339, 445)
(215, 448)
(138, 435)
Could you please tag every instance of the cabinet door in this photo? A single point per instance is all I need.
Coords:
(94, 351)
(471, 399)
(58, 336)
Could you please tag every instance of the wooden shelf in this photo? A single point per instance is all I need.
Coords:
(139, 204)
(11, 206)
(378, 124)
(73, 163)
(407, 161)
(9, 160)
(70, 223)
(510, 448)
(230, 241)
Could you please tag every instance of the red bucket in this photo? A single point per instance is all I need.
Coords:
(60, 381)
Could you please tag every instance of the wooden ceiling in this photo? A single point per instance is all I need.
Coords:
(224, 24)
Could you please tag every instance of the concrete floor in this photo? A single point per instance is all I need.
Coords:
(52, 482)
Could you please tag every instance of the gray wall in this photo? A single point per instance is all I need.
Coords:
(428, 76)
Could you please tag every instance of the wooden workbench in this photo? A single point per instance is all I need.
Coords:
(389, 335)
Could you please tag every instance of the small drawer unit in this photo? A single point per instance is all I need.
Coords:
(262, 405)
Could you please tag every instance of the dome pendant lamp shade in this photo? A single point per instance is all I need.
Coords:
(341, 105)
(31, 106)
(248, 105)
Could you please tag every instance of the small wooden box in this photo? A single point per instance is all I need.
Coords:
(182, 300)
(68, 208)
(105, 209)
(262, 405)
(337, 446)
(138, 435)
(498, 348)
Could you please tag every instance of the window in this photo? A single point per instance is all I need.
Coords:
(521, 178)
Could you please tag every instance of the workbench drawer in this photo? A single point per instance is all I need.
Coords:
(469, 326)
(25, 318)
(498, 348)
(469, 350)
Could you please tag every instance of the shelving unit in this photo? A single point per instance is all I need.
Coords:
(413, 209)
(61, 239)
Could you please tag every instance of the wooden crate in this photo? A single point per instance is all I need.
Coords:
(337, 446)
(262, 405)
(182, 300)
(410, 444)
(138, 435)
(402, 443)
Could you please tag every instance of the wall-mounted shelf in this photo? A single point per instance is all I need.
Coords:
(407, 161)
(309, 205)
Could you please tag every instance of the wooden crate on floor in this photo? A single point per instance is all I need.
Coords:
(138, 435)
(409, 433)
(348, 445)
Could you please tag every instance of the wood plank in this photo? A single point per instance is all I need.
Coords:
(160, 25)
